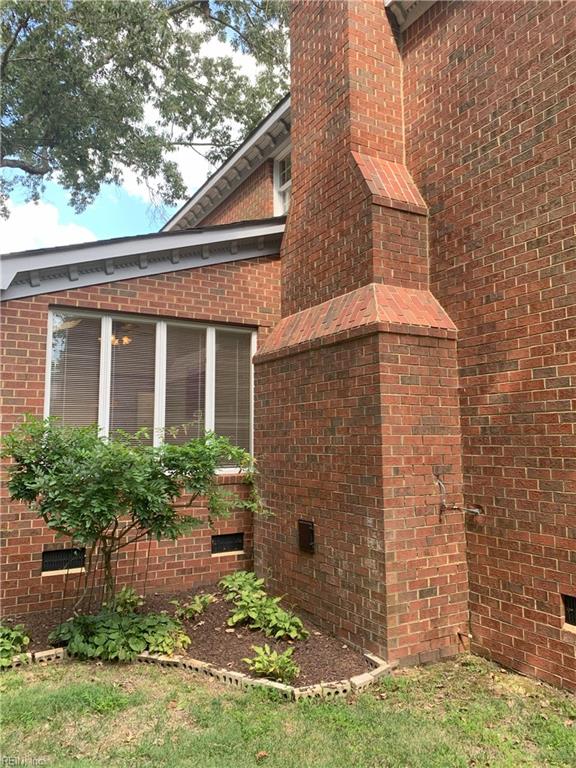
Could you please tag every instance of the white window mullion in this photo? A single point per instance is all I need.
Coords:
(253, 350)
(160, 383)
(105, 375)
(48, 373)
(210, 378)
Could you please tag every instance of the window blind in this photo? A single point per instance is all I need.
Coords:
(75, 369)
(232, 388)
(132, 376)
(185, 383)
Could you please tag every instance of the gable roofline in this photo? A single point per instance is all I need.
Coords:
(45, 270)
(260, 145)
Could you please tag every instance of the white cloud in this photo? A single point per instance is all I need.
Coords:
(38, 225)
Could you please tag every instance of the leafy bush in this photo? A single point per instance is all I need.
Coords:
(13, 641)
(241, 582)
(112, 636)
(264, 613)
(126, 601)
(112, 493)
(272, 664)
(193, 608)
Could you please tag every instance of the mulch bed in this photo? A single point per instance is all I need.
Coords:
(321, 657)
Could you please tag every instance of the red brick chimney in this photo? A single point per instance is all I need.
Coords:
(356, 387)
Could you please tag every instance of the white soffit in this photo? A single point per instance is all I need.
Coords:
(47, 270)
(262, 144)
(407, 11)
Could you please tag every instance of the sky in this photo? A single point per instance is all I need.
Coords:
(118, 211)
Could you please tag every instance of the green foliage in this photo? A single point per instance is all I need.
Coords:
(94, 87)
(114, 636)
(254, 607)
(254, 503)
(272, 664)
(13, 641)
(241, 582)
(193, 608)
(113, 492)
(126, 601)
(264, 613)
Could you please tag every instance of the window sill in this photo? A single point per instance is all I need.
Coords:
(63, 572)
(225, 554)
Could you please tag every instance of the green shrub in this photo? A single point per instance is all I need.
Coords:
(13, 641)
(276, 666)
(241, 582)
(193, 608)
(112, 636)
(264, 613)
(126, 601)
(111, 493)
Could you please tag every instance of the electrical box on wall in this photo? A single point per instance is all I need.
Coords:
(306, 536)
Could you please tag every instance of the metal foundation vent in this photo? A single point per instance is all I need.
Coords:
(227, 542)
(63, 559)
(569, 609)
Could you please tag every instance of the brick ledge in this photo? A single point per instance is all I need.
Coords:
(370, 309)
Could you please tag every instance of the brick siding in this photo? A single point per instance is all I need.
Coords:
(253, 199)
(243, 292)
(489, 107)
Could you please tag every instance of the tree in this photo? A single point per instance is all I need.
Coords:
(91, 87)
(110, 494)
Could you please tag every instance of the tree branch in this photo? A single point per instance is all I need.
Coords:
(22, 24)
(182, 143)
(187, 5)
(223, 23)
(22, 165)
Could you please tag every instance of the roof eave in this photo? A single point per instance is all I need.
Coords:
(407, 11)
(49, 270)
(258, 147)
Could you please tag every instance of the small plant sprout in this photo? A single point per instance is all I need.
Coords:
(193, 608)
(126, 601)
(241, 582)
(272, 664)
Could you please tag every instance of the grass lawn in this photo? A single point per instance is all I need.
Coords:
(461, 713)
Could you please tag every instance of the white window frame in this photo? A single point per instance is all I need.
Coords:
(159, 368)
(280, 189)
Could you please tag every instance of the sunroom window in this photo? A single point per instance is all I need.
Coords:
(175, 378)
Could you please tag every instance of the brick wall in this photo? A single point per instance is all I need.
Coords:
(348, 433)
(489, 107)
(244, 292)
(253, 199)
(356, 387)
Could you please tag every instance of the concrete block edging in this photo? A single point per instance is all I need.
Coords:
(324, 690)
(335, 689)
